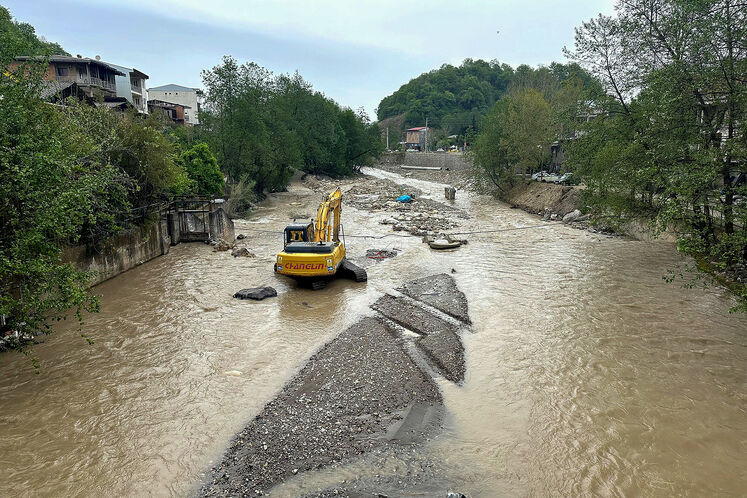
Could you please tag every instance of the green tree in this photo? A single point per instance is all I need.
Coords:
(675, 73)
(489, 153)
(53, 182)
(263, 127)
(202, 168)
(527, 129)
(18, 38)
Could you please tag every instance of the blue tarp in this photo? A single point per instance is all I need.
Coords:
(404, 198)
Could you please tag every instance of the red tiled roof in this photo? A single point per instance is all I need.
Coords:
(416, 128)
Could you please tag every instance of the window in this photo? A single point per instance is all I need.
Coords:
(62, 71)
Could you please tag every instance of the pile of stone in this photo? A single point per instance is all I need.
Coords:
(420, 224)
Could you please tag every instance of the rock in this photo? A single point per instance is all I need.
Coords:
(222, 245)
(450, 193)
(584, 217)
(240, 236)
(572, 216)
(242, 252)
(548, 213)
(256, 293)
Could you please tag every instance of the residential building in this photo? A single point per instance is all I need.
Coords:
(131, 86)
(92, 77)
(175, 112)
(188, 98)
(415, 137)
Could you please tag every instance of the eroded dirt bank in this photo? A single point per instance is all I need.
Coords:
(536, 198)
(365, 389)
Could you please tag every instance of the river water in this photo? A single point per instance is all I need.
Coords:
(587, 373)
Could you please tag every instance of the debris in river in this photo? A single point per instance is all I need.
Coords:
(240, 236)
(443, 242)
(572, 216)
(404, 198)
(222, 245)
(256, 293)
(450, 193)
(379, 254)
(242, 252)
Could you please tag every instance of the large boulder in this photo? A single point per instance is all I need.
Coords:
(572, 216)
(222, 245)
(242, 252)
(256, 293)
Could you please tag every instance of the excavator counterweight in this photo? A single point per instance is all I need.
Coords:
(313, 253)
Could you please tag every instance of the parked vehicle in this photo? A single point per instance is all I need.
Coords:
(565, 179)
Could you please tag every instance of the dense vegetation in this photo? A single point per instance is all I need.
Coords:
(671, 136)
(68, 176)
(541, 108)
(668, 140)
(263, 127)
(455, 99)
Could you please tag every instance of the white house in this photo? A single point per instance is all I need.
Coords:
(182, 95)
(132, 87)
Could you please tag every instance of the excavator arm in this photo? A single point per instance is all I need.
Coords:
(328, 218)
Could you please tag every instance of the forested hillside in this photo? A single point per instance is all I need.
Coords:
(456, 98)
(19, 38)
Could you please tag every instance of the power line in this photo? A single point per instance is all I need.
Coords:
(474, 232)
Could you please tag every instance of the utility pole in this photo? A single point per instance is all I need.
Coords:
(387, 138)
(426, 134)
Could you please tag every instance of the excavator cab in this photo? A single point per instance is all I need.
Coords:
(298, 233)
(314, 253)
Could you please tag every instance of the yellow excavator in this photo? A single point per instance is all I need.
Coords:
(313, 253)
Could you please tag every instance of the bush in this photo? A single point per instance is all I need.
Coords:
(203, 170)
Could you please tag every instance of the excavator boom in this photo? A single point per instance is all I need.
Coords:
(330, 206)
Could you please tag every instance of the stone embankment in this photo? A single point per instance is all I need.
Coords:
(371, 388)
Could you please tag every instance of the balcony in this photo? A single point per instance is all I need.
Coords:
(136, 89)
(89, 81)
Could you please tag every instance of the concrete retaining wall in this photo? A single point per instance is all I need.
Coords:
(137, 245)
(453, 162)
(121, 252)
(221, 226)
(438, 160)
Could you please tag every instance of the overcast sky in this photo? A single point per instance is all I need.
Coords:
(355, 51)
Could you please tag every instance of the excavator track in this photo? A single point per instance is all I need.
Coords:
(352, 271)
(318, 284)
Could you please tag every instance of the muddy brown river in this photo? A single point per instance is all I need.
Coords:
(586, 374)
